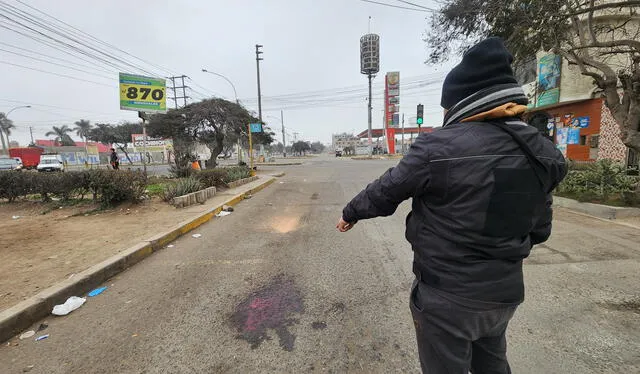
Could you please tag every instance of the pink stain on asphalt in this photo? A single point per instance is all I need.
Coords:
(270, 307)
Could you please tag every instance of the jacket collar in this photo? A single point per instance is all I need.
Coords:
(484, 101)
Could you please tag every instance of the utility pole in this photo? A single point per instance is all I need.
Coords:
(369, 129)
(174, 88)
(284, 142)
(184, 90)
(402, 133)
(258, 59)
(31, 132)
(143, 117)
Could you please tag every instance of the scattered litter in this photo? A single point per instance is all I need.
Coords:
(223, 213)
(27, 334)
(170, 246)
(69, 306)
(269, 204)
(227, 208)
(16, 217)
(128, 301)
(134, 335)
(43, 337)
(196, 235)
(52, 257)
(281, 182)
(43, 326)
(28, 368)
(97, 291)
(72, 275)
(248, 196)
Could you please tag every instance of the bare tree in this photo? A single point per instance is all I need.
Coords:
(601, 37)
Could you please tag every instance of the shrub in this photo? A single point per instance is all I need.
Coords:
(107, 186)
(236, 173)
(181, 187)
(15, 184)
(599, 181)
(181, 171)
(212, 177)
(119, 186)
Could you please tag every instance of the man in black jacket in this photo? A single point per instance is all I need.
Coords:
(481, 188)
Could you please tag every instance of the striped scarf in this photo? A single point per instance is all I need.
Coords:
(485, 100)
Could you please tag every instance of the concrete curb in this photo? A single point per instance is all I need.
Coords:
(240, 182)
(198, 197)
(278, 164)
(22, 315)
(597, 210)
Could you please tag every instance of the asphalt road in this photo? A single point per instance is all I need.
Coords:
(274, 288)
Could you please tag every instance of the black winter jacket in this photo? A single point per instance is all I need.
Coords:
(478, 207)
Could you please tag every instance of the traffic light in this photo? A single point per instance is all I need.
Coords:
(419, 119)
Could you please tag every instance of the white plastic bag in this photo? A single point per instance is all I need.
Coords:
(72, 303)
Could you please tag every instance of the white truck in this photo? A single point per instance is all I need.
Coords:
(51, 162)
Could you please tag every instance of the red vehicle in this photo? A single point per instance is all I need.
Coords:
(30, 156)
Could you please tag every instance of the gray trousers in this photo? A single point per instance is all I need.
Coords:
(457, 335)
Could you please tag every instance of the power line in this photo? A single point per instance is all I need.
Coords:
(59, 75)
(56, 58)
(46, 25)
(55, 47)
(416, 5)
(69, 46)
(81, 38)
(98, 40)
(395, 6)
(346, 93)
(55, 63)
(52, 106)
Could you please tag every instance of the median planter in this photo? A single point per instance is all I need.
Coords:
(198, 197)
(598, 210)
(240, 182)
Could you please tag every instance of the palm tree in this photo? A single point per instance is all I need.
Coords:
(5, 129)
(62, 135)
(83, 127)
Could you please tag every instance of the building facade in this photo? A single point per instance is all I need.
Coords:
(341, 141)
(569, 109)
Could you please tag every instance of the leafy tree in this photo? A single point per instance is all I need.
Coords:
(116, 135)
(278, 148)
(5, 129)
(300, 147)
(208, 122)
(601, 38)
(173, 125)
(317, 147)
(62, 136)
(83, 127)
(239, 132)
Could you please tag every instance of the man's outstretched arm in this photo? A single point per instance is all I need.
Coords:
(382, 196)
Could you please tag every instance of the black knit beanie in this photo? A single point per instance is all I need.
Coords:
(486, 64)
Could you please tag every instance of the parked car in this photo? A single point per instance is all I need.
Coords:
(338, 153)
(51, 163)
(30, 156)
(10, 164)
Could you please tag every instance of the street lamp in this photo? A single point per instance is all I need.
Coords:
(227, 79)
(7, 117)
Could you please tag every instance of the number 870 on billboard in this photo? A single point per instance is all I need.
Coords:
(142, 94)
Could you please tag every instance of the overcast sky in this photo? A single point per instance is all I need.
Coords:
(309, 46)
